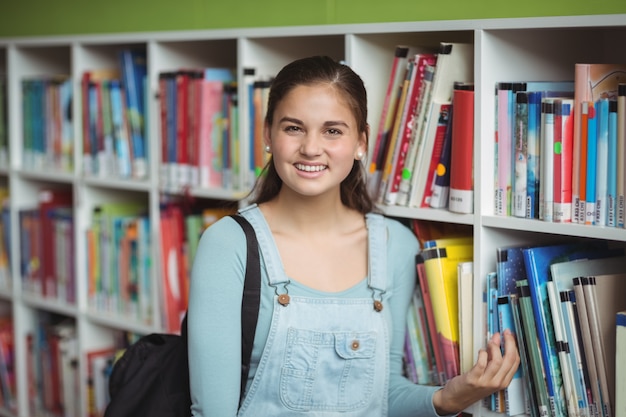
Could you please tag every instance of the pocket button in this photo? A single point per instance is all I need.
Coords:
(355, 345)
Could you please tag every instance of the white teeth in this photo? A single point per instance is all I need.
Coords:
(310, 168)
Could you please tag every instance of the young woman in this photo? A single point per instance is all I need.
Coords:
(337, 279)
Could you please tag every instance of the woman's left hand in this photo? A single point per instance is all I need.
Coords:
(492, 372)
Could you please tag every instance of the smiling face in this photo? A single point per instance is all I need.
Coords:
(314, 140)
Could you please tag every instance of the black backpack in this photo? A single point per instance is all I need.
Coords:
(152, 376)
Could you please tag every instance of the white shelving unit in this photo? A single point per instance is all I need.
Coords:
(505, 49)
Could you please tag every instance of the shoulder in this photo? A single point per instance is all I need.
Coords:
(400, 233)
(224, 233)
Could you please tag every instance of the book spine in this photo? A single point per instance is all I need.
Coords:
(602, 156)
(592, 147)
(611, 185)
(461, 198)
(546, 208)
(533, 155)
(441, 186)
(521, 154)
(387, 116)
(504, 94)
(621, 155)
(514, 393)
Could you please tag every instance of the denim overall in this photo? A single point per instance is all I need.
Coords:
(324, 356)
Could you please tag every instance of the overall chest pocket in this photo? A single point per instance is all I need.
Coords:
(328, 371)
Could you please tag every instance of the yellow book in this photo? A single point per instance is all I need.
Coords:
(441, 265)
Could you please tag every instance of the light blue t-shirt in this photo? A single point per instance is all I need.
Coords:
(215, 314)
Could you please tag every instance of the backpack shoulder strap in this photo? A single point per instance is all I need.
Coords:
(251, 298)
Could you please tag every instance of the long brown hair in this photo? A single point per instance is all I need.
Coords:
(319, 70)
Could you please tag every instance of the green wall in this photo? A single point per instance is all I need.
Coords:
(55, 17)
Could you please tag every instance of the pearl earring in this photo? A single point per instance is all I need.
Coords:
(268, 149)
(359, 155)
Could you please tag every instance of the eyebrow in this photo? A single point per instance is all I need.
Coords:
(299, 122)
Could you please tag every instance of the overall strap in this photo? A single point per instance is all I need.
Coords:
(377, 253)
(276, 275)
(251, 299)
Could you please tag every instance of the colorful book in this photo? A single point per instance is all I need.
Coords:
(611, 182)
(538, 260)
(408, 124)
(620, 364)
(514, 392)
(602, 161)
(592, 81)
(454, 64)
(604, 300)
(520, 167)
(536, 363)
(390, 103)
(441, 185)
(465, 273)
(134, 72)
(440, 264)
(592, 160)
(621, 152)
(461, 198)
(421, 186)
(546, 191)
(533, 155)
(504, 133)
(562, 151)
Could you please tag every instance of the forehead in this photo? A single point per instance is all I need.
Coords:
(324, 95)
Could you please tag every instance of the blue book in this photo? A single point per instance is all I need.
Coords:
(441, 186)
(611, 188)
(592, 146)
(602, 157)
(514, 393)
(121, 141)
(538, 261)
(510, 268)
(533, 154)
(134, 72)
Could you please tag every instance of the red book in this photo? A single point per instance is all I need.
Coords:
(182, 128)
(420, 62)
(49, 200)
(563, 144)
(461, 198)
(440, 137)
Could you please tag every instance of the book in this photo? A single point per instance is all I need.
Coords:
(529, 393)
(465, 274)
(546, 191)
(592, 81)
(562, 154)
(510, 268)
(604, 302)
(440, 265)
(393, 145)
(49, 200)
(520, 166)
(538, 260)
(620, 364)
(133, 63)
(514, 392)
(595, 398)
(441, 183)
(613, 159)
(407, 127)
(454, 64)
(536, 365)
(461, 199)
(621, 154)
(562, 276)
(439, 367)
(602, 157)
(591, 168)
(390, 103)
(425, 167)
(533, 155)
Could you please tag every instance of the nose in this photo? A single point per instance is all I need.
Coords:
(310, 145)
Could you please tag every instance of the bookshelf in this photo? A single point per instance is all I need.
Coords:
(543, 48)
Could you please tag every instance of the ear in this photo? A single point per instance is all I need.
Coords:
(266, 135)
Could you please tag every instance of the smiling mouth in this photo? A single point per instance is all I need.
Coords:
(311, 168)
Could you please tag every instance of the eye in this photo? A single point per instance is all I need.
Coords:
(292, 129)
(334, 132)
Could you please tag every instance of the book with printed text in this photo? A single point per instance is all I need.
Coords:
(461, 199)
